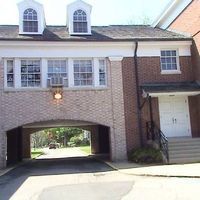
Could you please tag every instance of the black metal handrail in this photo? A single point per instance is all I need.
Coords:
(155, 134)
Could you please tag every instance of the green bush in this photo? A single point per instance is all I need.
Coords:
(145, 155)
(78, 141)
(71, 144)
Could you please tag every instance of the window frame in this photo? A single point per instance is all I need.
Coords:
(93, 81)
(80, 21)
(105, 72)
(31, 59)
(6, 72)
(31, 21)
(67, 70)
(171, 71)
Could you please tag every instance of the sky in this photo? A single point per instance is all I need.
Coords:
(104, 12)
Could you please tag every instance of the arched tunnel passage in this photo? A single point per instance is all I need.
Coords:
(18, 139)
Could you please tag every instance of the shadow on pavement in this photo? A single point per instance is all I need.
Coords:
(11, 181)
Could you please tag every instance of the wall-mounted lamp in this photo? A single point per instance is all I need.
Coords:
(57, 93)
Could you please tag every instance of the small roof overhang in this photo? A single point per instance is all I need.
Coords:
(161, 89)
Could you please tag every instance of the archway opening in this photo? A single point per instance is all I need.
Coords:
(63, 135)
(60, 142)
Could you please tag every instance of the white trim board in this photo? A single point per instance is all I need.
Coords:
(154, 94)
(170, 13)
(87, 49)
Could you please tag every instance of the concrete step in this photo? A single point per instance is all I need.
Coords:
(194, 143)
(184, 150)
(184, 160)
(185, 155)
(187, 147)
(184, 139)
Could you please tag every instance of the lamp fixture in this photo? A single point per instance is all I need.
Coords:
(57, 93)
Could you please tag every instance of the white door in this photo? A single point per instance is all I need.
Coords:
(174, 116)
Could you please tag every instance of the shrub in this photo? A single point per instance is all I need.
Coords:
(145, 155)
(71, 144)
(76, 140)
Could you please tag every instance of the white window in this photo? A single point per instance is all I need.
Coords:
(169, 61)
(83, 73)
(102, 72)
(30, 73)
(57, 69)
(30, 21)
(80, 22)
(10, 73)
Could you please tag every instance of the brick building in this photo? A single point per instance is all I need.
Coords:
(111, 80)
(183, 17)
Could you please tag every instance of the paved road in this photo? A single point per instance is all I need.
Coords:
(62, 153)
(89, 179)
(72, 178)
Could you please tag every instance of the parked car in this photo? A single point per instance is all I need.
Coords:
(52, 146)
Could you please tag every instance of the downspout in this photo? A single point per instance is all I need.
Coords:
(139, 116)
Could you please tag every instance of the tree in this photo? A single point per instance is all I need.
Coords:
(144, 20)
(56, 135)
(39, 139)
(62, 135)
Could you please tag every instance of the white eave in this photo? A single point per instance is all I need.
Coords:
(170, 13)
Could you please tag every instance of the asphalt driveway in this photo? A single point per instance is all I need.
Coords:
(72, 178)
(89, 179)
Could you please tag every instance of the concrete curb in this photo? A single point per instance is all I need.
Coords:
(8, 169)
(149, 174)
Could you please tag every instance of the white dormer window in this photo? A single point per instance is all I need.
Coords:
(31, 17)
(80, 21)
(30, 21)
(79, 18)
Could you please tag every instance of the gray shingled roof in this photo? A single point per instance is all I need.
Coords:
(171, 87)
(99, 33)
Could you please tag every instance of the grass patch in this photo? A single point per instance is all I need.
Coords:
(36, 152)
(86, 149)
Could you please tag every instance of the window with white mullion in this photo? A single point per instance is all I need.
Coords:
(83, 73)
(169, 60)
(30, 20)
(10, 73)
(58, 69)
(30, 73)
(80, 22)
(102, 72)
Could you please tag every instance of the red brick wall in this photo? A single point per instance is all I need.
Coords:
(103, 106)
(149, 72)
(130, 103)
(146, 115)
(189, 22)
(194, 115)
(196, 56)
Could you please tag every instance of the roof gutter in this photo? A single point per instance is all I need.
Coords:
(139, 115)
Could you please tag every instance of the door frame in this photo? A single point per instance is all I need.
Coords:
(187, 111)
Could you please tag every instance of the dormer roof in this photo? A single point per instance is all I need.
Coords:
(79, 3)
(28, 7)
(79, 18)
